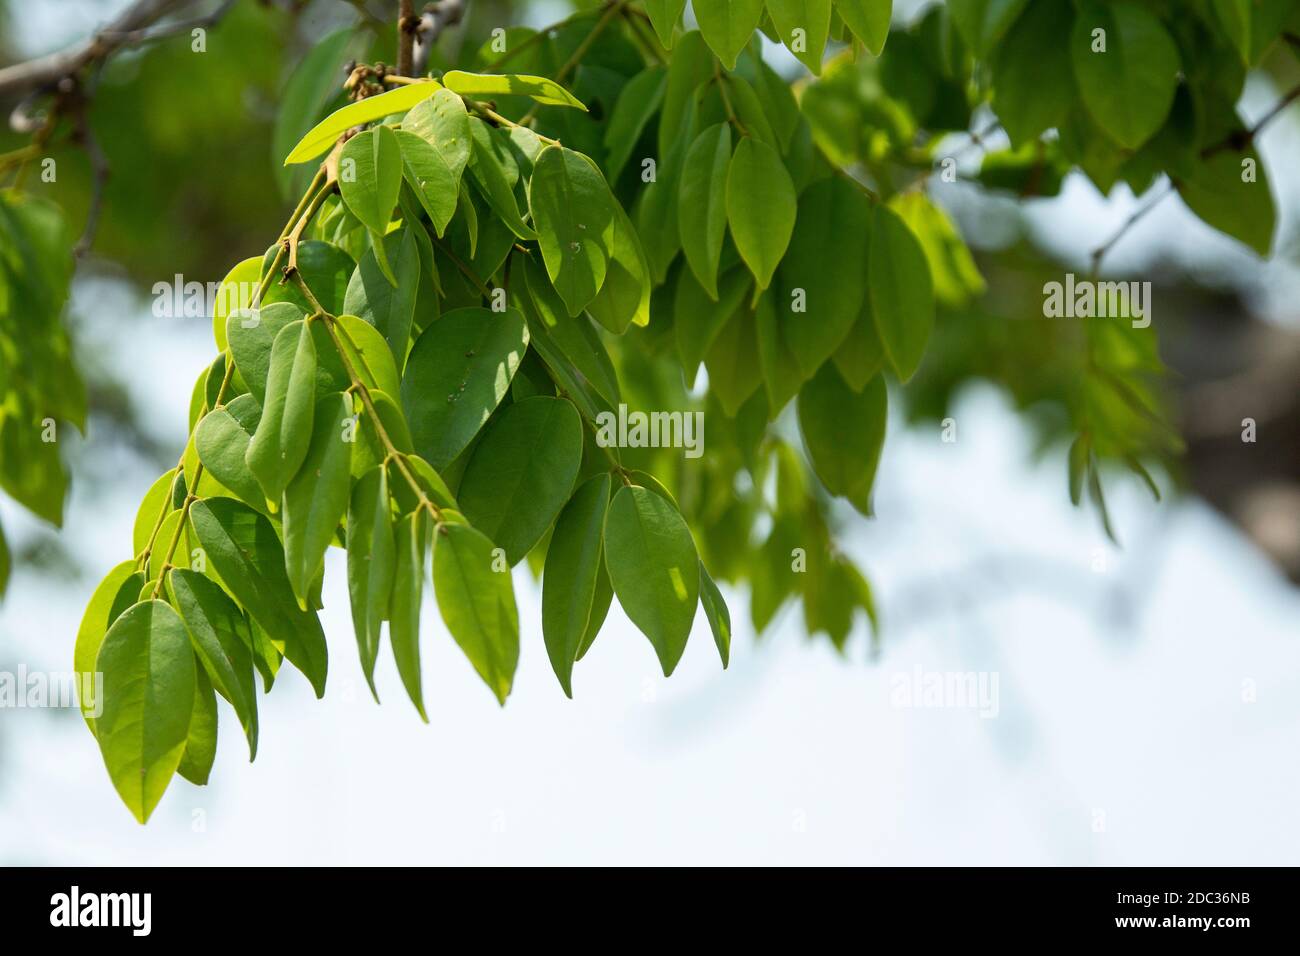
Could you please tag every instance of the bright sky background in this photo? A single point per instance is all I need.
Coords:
(1123, 735)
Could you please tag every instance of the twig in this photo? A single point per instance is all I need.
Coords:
(580, 51)
(1243, 138)
(1099, 253)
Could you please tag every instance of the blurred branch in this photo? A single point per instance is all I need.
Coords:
(137, 24)
(436, 18)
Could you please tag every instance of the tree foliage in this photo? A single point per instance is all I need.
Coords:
(491, 262)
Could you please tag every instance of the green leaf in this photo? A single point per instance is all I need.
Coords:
(223, 642)
(727, 26)
(370, 176)
(372, 558)
(324, 267)
(638, 101)
(434, 182)
(813, 19)
(495, 172)
(251, 339)
(243, 548)
(1033, 84)
(1129, 87)
(538, 88)
(201, 742)
(957, 279)
(861, 356)
(574, 559)
(6, 562)
(664, 17)
(458, 371)
(222, 442)
(408, 584)
(234, 297)
(150, 508)
(624, 299)
(323, 135)
(902, 293)
(111, 597)
(715, 609)
(317, 497)
(1221, 193)
(442, 122)
(477, 602)
(697, 319)
(600, 603)
(280, 443)
(389, 308)
(781, 373)
(868, 19)
(735, 367)
(702, 203)
(573, 210)
(148, 670)
(824, 270)
(761, 207)
(522, 471)
(844, 431)
(369, 353)
(653, 568)
(982, 23)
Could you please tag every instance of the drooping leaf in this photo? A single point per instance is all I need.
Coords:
(324, 267)
(804, 26)
(317, 497)
(111, 597)
(715, 609)
(522, 471)
(573, 211)
(664, 16)
(727, 26)
(442, 122)
(434, 182)
(697, 318)
(1218, 190)
(844, 431)
(702, 203)
(148, 699)
(223, 642)
(761, 207)
(1033, 82)
(982, 23)
(574, 559)
(251, 339)
(902, 292)
(412, 543)
(477, 601)
(201, 741)
(370, 176)
(638, 101)
(734, 363)
(389, 308)
(245, 551)
(372, 558)
(868, 19)
(653, 568)
(624, 299)
(284, 432)
(458, 371)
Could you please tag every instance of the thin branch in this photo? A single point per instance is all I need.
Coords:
(1100, 252)
(436, 18)
(1241, 139)
(407, 22)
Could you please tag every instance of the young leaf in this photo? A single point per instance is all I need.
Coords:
(322, 136)
(572, 209)
(234, 298)
(902, 293)
(702, 203)
(844, 431)
(727, 26)
(715, 609)
(537, 88)
(761, 207)
(372, 559)
(458, 371)
(244, 549)
(112, 596)
(201, 741)
(653, 568)
(1129, 85)
(522, 471)
(223, 642)
(408, 583)
(477, 602)
(148, 699)
(574, 559)
(222, 440)
(317, 497)
(280, 443)
(370, 176)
